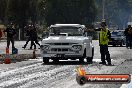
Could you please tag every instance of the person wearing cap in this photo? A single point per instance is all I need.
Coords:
(104, 37)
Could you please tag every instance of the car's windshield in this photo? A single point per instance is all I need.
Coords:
(119, 33)
(71, 31)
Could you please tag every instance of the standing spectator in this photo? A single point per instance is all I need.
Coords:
(127, 36)
(130, 37)
(103, 42)
(28, 28)
(34, 37)
(10, 35)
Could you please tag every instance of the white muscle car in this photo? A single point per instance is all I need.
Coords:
(67, 41)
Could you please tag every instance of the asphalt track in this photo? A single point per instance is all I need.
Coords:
(35, 74)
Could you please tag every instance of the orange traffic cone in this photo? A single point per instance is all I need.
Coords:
(34, 54)
(7, 60)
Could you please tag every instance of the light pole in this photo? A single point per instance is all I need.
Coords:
(103, 11)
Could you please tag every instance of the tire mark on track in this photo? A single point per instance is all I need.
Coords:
(47, 76)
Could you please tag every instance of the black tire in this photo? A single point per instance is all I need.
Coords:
(90, 59)
(84, 55)
(121, 43)
(45, 60)
(92, 53)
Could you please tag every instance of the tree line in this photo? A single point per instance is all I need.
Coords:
(117, 12)
(47, 11)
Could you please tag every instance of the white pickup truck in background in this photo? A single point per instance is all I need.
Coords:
(67, 41)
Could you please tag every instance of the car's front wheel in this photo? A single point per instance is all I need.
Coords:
(90, 59)
(45, 60)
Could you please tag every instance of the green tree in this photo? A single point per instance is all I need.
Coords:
(3, 6)
(117, 12)
(70, 11)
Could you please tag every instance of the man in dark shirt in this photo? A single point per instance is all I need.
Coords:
(104, 37)
(127, 36)
(28, 28)
(130, 37)
(34, 37)
(10, 35)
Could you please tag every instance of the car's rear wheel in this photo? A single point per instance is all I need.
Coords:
(45, 60)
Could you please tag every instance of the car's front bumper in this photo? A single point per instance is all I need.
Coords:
(62, 56)
(115, 42)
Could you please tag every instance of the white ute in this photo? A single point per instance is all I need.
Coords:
(67, 41)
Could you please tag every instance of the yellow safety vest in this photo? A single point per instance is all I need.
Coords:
(104, 37)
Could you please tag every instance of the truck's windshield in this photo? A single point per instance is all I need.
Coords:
(71, 31)
(120, 33)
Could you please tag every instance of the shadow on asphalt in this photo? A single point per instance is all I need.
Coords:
(66, 63)
(75, 63)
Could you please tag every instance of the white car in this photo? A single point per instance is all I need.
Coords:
(67, 41)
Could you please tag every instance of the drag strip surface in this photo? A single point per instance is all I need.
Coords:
(35, 74)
